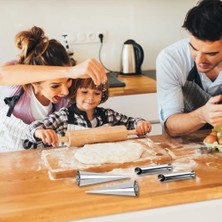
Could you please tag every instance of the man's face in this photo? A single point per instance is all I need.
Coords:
(206, 54)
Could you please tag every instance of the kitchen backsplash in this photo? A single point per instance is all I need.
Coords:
(154, 24)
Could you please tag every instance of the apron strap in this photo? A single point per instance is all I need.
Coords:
(194, 94)
(194, 76)
(11, 101)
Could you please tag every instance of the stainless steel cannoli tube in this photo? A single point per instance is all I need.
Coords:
(177, 176)
(153, 169)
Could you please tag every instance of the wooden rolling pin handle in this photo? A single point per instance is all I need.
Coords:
(131, 132)
(63, 139)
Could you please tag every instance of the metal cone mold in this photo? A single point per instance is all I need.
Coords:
(127, 189)
(88, 178)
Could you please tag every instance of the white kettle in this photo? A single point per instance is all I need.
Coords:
(132, 58)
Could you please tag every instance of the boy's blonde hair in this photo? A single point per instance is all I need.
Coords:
(88, 83)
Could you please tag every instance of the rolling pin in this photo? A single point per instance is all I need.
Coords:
(96, 135)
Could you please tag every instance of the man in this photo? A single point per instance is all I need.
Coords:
(189, 73)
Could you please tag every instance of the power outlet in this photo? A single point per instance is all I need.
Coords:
(85, 37)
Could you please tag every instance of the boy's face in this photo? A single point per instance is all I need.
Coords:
(88, 99)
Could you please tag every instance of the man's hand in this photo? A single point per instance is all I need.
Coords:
(212, 111)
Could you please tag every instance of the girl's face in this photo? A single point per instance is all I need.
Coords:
(88, 99)
(52, 90)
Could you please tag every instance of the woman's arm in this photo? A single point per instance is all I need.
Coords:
(23, 74)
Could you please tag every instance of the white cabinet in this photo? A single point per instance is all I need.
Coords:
(140, 105)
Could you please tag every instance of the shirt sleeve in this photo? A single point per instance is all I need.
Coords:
(172, 67)
(57, 121)
(13, 130)
(169, 91)
(115, 118)
(13, 125)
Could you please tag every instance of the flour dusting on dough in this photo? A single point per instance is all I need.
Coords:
(120, 152)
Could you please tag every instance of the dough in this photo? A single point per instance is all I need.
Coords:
(119, 152)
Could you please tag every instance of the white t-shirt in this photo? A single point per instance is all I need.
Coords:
(38, 110)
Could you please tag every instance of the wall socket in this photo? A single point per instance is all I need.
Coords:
(85, 37)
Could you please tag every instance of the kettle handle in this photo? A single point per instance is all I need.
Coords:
(139, 57)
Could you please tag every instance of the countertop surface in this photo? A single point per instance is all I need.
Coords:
(135, 84)
(27, 193)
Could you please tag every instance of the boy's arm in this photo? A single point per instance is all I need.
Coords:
(57, 121)
(116, 118)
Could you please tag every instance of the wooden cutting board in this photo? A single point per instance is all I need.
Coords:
(62, 163)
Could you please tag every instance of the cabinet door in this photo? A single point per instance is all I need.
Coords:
(141, 105)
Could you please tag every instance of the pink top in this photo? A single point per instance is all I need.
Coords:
(22, 108)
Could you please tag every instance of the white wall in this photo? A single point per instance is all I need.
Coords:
(154, 24)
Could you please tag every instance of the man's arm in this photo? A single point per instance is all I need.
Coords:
(185, 123)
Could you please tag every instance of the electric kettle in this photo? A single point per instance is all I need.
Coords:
(132, 58)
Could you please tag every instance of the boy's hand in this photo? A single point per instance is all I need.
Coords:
(143, 127)
(48, 136)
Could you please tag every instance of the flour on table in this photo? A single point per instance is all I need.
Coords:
(101, 153)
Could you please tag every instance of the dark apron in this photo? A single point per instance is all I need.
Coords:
(194, 94)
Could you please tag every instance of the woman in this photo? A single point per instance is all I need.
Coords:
(45, 87)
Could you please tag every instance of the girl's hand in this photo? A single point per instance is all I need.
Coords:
(48, 136)
(143, 127)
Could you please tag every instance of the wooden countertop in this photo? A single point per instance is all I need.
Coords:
(28, 194)
(135, 84)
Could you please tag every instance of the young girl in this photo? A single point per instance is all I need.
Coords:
(83, 113)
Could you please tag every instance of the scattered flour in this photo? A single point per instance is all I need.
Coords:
(184, 164)
(102, 153)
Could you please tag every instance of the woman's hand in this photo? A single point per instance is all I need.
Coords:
(143, 127)
(91, 68)
(48, 136)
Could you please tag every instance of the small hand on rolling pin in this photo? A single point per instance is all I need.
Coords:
(48, 136)
(143, 127)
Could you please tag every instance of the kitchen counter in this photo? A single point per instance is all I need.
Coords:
(28, 194)
(135, 84)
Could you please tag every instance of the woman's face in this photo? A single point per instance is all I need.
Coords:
(52, 90)
(88, 99)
